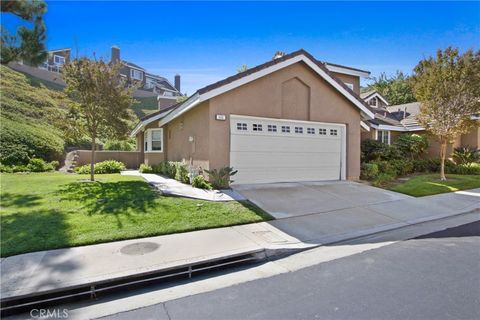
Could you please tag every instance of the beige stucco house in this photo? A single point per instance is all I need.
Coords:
(293, 118)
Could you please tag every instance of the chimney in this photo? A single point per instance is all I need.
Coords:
(177, 82)
(278, 54)
(115, 54)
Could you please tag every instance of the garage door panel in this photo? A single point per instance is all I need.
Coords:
(310, 151)
(289, 160)
(282, 144)
(285, 175)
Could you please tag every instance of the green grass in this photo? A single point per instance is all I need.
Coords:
(429, 184)
(52, 210)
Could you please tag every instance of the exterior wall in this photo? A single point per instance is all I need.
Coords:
(132, 159)
(264, 98)
(193, 125)
(472, 138)
(165, 102)
(38, 73)
(349, 79)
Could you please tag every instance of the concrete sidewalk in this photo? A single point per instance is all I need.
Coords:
(34, 273)
(172, 187)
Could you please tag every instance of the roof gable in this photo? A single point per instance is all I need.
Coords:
(257, 72)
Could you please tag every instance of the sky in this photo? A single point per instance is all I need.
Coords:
(207, 41)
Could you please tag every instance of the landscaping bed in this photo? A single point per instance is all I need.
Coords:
(42, 211)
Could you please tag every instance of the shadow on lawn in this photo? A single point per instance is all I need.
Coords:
(17, 200)
(120, 197)
(33, 231)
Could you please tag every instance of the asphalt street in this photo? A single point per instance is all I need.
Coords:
(435, 276)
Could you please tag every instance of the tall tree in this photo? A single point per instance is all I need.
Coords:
(396, 89)
(103, 101)
(27, 44)
(448, 85)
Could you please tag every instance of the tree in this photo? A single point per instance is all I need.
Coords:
(242, 68)
(448, 87)
(103, 101)
(27, 44)
(396, 89)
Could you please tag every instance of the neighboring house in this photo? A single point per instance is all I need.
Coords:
(166, 92)
(56, 59)
(293, 118)
(151, 85)
(375, 99)
(392, 121)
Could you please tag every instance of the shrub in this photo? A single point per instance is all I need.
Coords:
(411, 145)
(466, 155)
(104, 167)
(39, 165)
(473, 169)
(402, 167)
(145, 168)
(373, 150)
(168, 168)
(119, 145)
(200, 182)
(181, 173)
(385, 167)
(220, 178)
(369, 171)
(383, 179)
(5, 168)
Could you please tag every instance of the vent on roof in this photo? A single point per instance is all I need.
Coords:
(278, 54)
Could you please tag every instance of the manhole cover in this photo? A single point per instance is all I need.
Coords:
(140, 248)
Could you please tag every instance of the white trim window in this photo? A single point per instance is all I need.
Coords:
(153, 140)
(58, 60)
(350, 85)
(383, 136)
(372, 102)
(136, 74)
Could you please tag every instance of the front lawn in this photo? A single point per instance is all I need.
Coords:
(52, 210)
(425, 185)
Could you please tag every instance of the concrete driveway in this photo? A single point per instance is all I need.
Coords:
(286, 200)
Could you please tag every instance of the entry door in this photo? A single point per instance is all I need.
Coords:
(265, 150)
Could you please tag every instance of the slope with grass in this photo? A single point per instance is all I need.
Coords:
(52, 210)
(31, 117)
(429, 184)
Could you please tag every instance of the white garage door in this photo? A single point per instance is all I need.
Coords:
(270, 150)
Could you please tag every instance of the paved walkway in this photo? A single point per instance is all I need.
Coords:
(174, 188)
(55, 269)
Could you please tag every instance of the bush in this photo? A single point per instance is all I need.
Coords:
(385, 167)
(119, 145)
(466, 155)
(412, 145)
(39, 165)
(200, 182)
(373, 150)
(383, 179)
(104, 167)
(169, 168)
(402, 167)
(369, 171)
(473, 169)
(181, 173)
(220, 178)
(145, 168)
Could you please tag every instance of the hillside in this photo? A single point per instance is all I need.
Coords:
(31, 117)
(145, 105)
